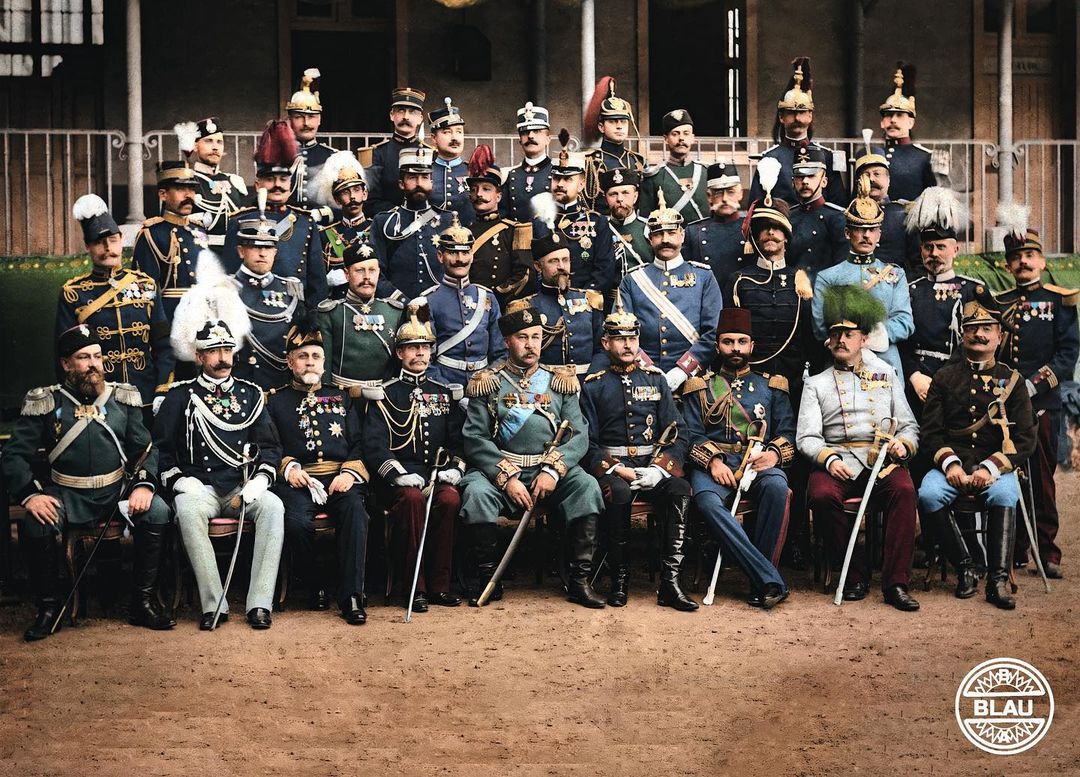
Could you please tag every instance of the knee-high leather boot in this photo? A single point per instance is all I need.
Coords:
(1001, 536)
(44, 565)
(674, 533)
(956, 550)
(618, 528)
(486, 545)
(582, 538)
(142, 612)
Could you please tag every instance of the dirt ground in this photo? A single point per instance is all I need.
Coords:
(537, 686)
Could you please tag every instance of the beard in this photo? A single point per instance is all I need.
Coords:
(310, 378)
(89, 383)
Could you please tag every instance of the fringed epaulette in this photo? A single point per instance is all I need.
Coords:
(40, 401)
(126, 394)
(238, 183)
(1068, 296)
(153, 220)
(695, 383)
(565, 381)
(595, 375)
(778, 382)
(803, 287)
(482, 384)
(523, 234)
(651, 369)
(328, 304)
(595, 299)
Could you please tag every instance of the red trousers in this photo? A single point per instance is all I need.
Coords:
(407, 511)
(1042, 465)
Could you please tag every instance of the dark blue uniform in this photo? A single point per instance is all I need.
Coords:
(817, 236)
(271, 303)
(574, 324)
(465, 318)
(910, 171)
(167, 249)
(404, 241)
(522, 184)
(897, 244)
(335, 237)
(221, 195)
(785, 153)
(448, 188)
(380, 163)
(716, 243)
(936, 306)
(312, 156)
(594, 257)
(611, 156)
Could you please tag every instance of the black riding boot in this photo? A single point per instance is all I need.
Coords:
(44, 565)
(582, 539)
(617, 518)
(674, 533)
(486, 547)
(142, 612)
(1001, 534)
(956, 550)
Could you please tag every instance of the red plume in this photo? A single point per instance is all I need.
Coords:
(592, 113)
(746, 221)
(482, 158)
(278, 145)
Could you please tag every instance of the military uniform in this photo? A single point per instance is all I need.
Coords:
(817, 236)
(501, 258)
(573, 324)
(632, 235)
(465, 317)
(358, 339)
(716, 243)
(220, 196)
(608, 156)
(936, 307)
(524, 182)
(683, 187)
(380, 163)
(897, 244)
(595, 257)
(910, 168)
(271, 303)
(313, 155)
(334, 238)
(785, 153)
(167, 249)
(449, 190)
(404, 240)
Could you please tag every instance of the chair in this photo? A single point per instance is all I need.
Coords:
(76, 539)
(873, 526)
(973, 507)
(746, 512)
(219, 529)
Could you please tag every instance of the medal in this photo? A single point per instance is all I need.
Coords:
(586, 242)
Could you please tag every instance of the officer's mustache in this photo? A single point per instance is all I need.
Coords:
(273, 190)
(980, 341)
(187, 201)
(666, 244)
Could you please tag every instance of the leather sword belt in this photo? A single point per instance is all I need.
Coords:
(93, 481)
(462, 364)
(630, 450)
(523, 461)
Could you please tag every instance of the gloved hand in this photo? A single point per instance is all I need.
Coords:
(254, 488)
(157, 404)
(647, 477)
(675, 378)
(451, 476)
(1032, 390)
(404, 481)
(336, 277)
(318, 492)
(878, 341)
(188, 485)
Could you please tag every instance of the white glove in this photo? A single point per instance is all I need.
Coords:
(451, 476)
(318, 492)
(188, 485)
(878, 340)
(404, 481)
(675, 378)
(254, 488)
(336, 277)
(647, 478)
(157, 404)
(1032, 390)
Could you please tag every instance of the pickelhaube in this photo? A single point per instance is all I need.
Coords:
(532, 117)
(75, 339)
(93, 216)
(614, 107)
(175, 173)
(620, 322)
(722, 174)
(620, 176)
(976, 313)
(215, 333)
(902, 99)
(418, 159)
(305, 100)
(455, 237)
(447, 116)
(676, 118)
(664, 219)
(407, 97)
(417, 325)
(864, 211)
(359, 250)
(256, 231)
(569, 163)
(799, 95)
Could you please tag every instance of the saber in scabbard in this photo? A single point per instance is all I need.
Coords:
(423, 532)
(248, 460)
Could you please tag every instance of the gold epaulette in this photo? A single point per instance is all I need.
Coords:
(651, 369)
(522, 235)
(482, 384)
(1068, 296)
(595, 375)
(565, 381)
(693, 384)
(126, 394)
(40, 401)
(595, 298)
(803, 287)
(152, 221)
(778, 382)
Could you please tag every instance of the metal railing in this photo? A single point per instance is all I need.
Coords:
(43, 171)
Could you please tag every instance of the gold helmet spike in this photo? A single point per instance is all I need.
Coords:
(305, 100)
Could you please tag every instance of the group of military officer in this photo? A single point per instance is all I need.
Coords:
(427, 354)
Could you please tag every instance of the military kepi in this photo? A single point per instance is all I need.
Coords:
(975, 313)
(93, 216)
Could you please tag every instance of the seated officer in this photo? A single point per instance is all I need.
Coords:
(92, 430)
(321, 471)
(979, 422)
(637, 443)
(515, 412)
(409, 419)
(720, 409)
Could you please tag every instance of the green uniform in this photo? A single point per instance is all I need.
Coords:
(635, 242)
(358, 339)
(683, 187)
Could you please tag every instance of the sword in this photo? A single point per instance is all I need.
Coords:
(1030, 527)
(248, 460)
(744, 476)
(886, 438)
(423, 532)
(520, 531)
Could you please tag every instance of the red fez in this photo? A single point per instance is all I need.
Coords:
(734, 320)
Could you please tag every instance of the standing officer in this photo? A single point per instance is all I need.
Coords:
(595, 257)
(979, 423)
(271, 302)
(464, 315)
(304, 112)
(123, 307)
(572, 318)
(299, 251)
(449, 191)
(1041, 342)
(620, 188)
(321, 472)
(840, 415)
(513, 415)
(718, 239)
(886, 282)
(896, 244)
(340, 183)
(720, 409)
(792, 130)
(358, 330)
(637, 443)
(909, 163)
(381, 159)
(682, 180)
(409, 419)
(611, 117)
(167, 247)
(817, 227)
(501, 254)
(220, 194)
(675, 301)
(533, 175)
(404, 237)
(94, 434)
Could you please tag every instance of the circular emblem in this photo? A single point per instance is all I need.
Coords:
(1004, 706)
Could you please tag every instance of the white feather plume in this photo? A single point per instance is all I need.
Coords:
(1014, 217)
(321, 186)
(936, 206)
(88, 206)
(545, 209)
(214, 296)
(768, 173)
(867, 134)
(186, 134)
